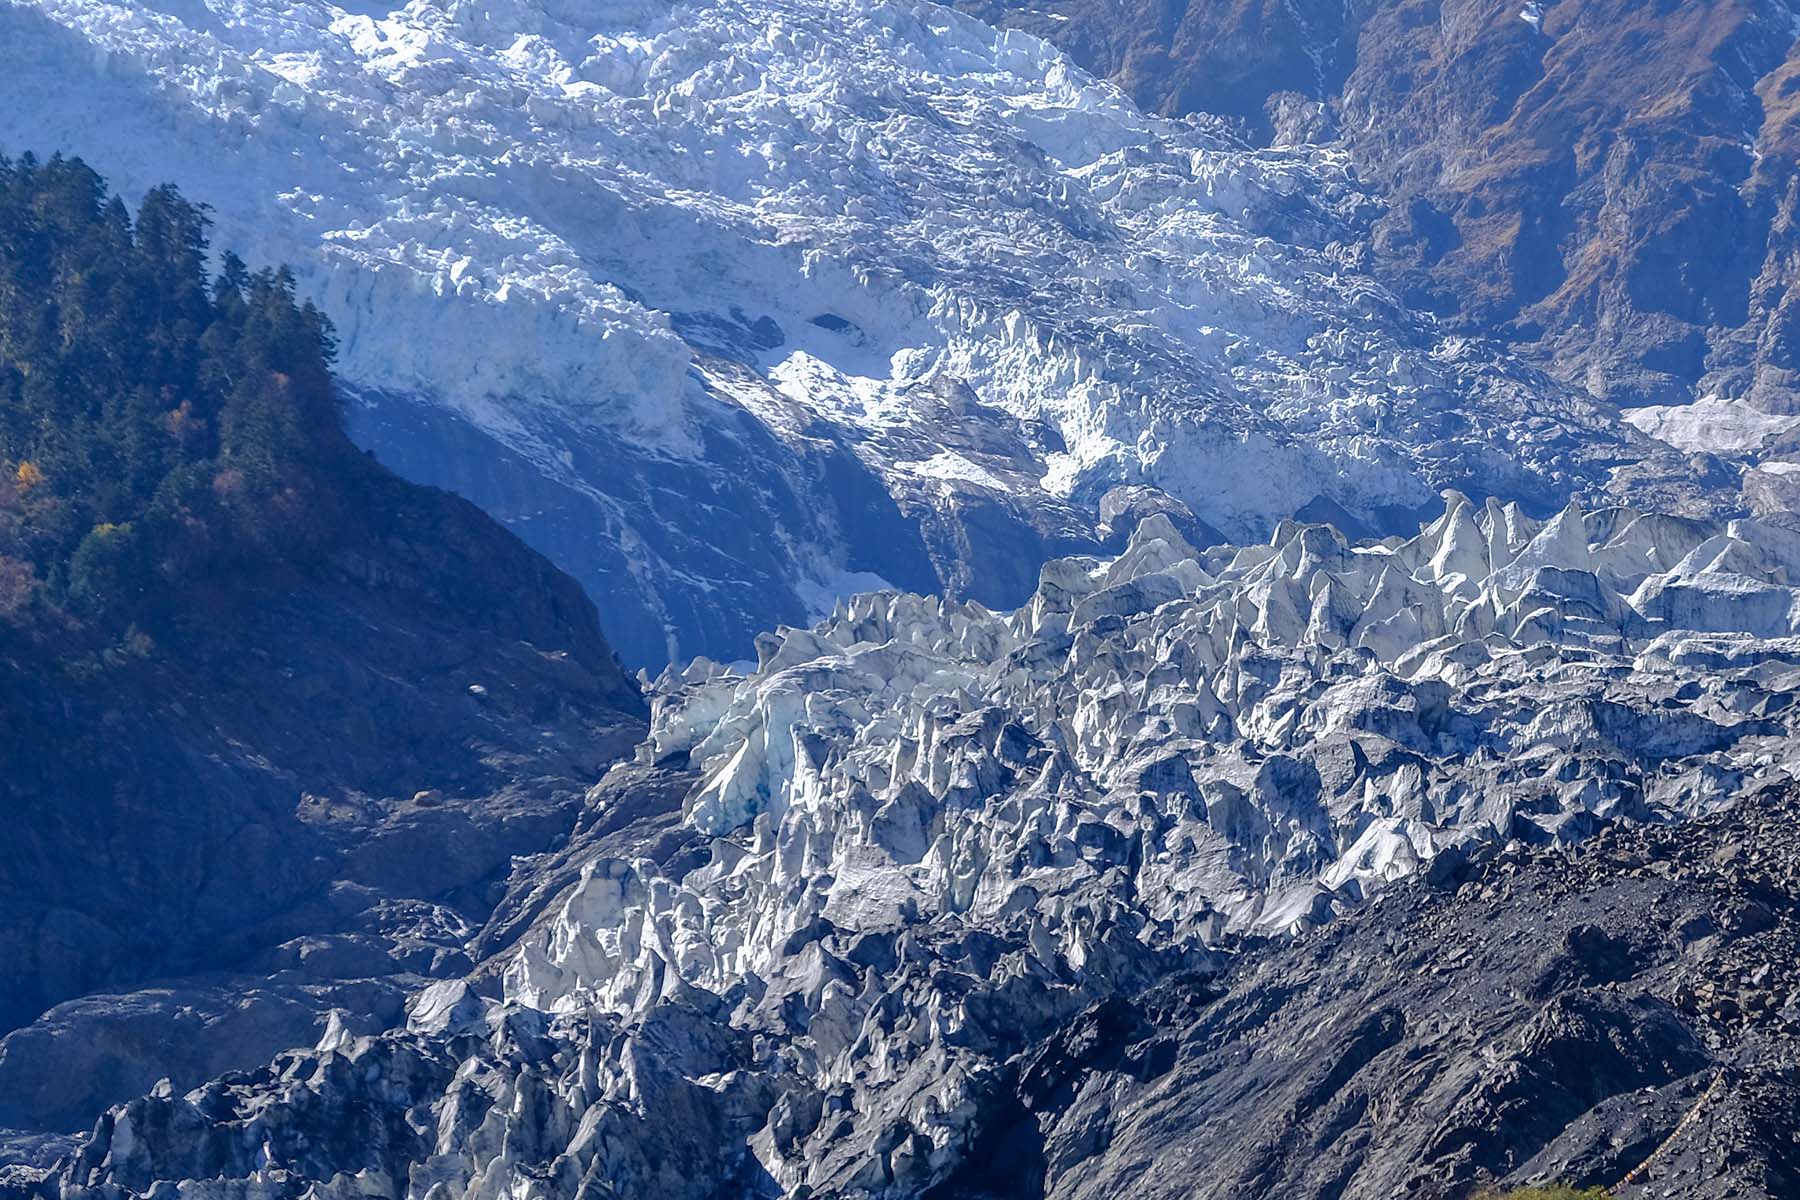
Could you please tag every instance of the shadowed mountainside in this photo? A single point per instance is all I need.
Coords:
(264, 707)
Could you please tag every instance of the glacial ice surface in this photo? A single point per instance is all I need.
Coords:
(1186, 744)
(634, 249)
(918, 839)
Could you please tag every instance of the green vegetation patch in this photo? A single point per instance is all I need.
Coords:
(158, 429)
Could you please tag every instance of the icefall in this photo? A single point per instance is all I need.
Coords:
(1201, 741)
(606, 231)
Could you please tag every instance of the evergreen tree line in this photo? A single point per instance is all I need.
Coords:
(157, 429)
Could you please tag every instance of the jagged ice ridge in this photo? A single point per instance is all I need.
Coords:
(923, 835)
(1188, 743)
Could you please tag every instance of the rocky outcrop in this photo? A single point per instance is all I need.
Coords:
(1623, 1016)
(1253, 62)
(60, 1071)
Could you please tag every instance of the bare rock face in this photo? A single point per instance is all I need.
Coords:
(73, 1062)
(1248, 60)
(1605, 183)
(1624, 1016)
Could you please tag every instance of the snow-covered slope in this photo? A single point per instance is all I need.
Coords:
(737, 306)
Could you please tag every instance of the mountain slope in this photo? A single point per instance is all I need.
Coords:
(267, 708)
(905, 297)
(1607, 184)
(1626, 1016)
(740, 305)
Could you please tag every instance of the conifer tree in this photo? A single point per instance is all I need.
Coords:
(156, 426)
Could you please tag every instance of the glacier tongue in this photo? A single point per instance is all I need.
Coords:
(804, 944)
(903, 295)
(1153, 755)
(1185, 744)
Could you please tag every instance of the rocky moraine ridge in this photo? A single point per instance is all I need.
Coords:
(936, 887)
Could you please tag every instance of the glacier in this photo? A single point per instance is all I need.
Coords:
(805, 942)
(735, 307)
(1194, 744)
(1159, 757)
(1147, 584)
